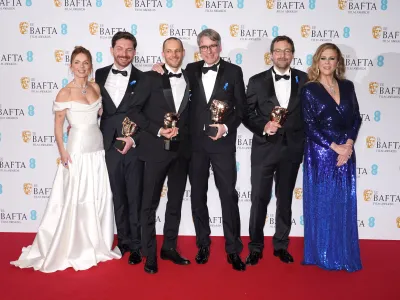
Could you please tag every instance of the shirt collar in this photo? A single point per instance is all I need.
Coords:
(128, 68)
(287, 72)
(169, 69)
(217, 62)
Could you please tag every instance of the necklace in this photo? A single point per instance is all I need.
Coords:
(82, 87)
(331, 88)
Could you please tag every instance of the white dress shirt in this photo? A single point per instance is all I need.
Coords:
(178, 87)
(208, 80)
(116, 87)
(282, 88)
(116, 84)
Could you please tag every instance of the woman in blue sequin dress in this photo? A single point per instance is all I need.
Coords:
(332, 120)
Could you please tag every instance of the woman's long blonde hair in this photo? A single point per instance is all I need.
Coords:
(313, 71)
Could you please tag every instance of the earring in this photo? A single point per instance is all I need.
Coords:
(337, 71)
(318, 71)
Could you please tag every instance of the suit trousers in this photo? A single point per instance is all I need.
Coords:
(126, 180)
(262, 175)
(225, 174)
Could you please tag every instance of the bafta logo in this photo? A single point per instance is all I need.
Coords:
(59, 55)
(128, 3)
(58, 161)
(57, 3)
(26, 136)
(25, 83)
(373, 87)
(270, 4)
(376, 32)
(368, 195)
(23, 27)
(342, 4)
(197, 56)
(28, 188)
(267, 58)
(199, 3)
(164, 191)
(305, 31)
(163, 28)
(370, 141)
(298, 193)
(93, 27)
(234, 30)
(398, 222)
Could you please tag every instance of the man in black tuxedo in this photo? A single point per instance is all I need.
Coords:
(165, 149)
(117, 84)
(277, 150)
(210, 79)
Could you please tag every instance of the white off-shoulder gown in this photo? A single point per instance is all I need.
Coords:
(77, 228)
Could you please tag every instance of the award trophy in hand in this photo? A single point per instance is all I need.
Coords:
(279, 115)
(128, 129)
(170, 121)
(218, 109)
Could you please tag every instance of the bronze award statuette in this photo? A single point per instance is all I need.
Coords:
(279, 115)
(170, 121)
(128, 129)
(218, 109)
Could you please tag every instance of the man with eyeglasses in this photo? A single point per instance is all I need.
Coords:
(277, 149)
(215, 79)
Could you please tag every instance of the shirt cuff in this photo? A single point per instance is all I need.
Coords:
(134, 144)
(226, 132)
(158, 133)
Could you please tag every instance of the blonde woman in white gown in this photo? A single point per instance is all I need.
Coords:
(77, 228)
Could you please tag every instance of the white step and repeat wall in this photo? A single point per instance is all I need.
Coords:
(38, 37)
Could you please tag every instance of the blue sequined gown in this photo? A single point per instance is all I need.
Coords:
(330, 200)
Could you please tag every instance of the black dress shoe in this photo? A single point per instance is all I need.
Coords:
(135, 257)
(203, 255)
(284, 256)
(253, 258)
(174, 256)
(151, 265)
(236, 262)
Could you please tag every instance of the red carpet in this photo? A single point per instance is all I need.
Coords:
(216, 280)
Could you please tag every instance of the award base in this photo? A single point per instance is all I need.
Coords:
(211, 131)
(119, 145)
(171, 145)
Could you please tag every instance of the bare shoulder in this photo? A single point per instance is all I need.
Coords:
(63, 95)
(95, 86)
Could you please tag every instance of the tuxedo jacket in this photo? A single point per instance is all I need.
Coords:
(228, 87)
(112, 117)
(261, 99)
(154, 99)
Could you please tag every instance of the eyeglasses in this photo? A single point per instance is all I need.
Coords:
(283, 51)
(207, 48)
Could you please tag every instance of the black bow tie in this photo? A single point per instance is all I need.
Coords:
(170, 74)
(279, 77)
(123, 73)
(212, 68)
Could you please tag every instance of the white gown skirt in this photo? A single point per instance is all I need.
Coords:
(77, 228)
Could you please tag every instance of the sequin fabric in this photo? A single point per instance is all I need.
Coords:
(329, 192)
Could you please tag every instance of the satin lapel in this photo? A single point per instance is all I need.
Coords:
(169, 97)
(269, 85)
(200, 82)
(218, 80)
(102, 81)
(293, 100)
(130, 87)
(185, 99)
